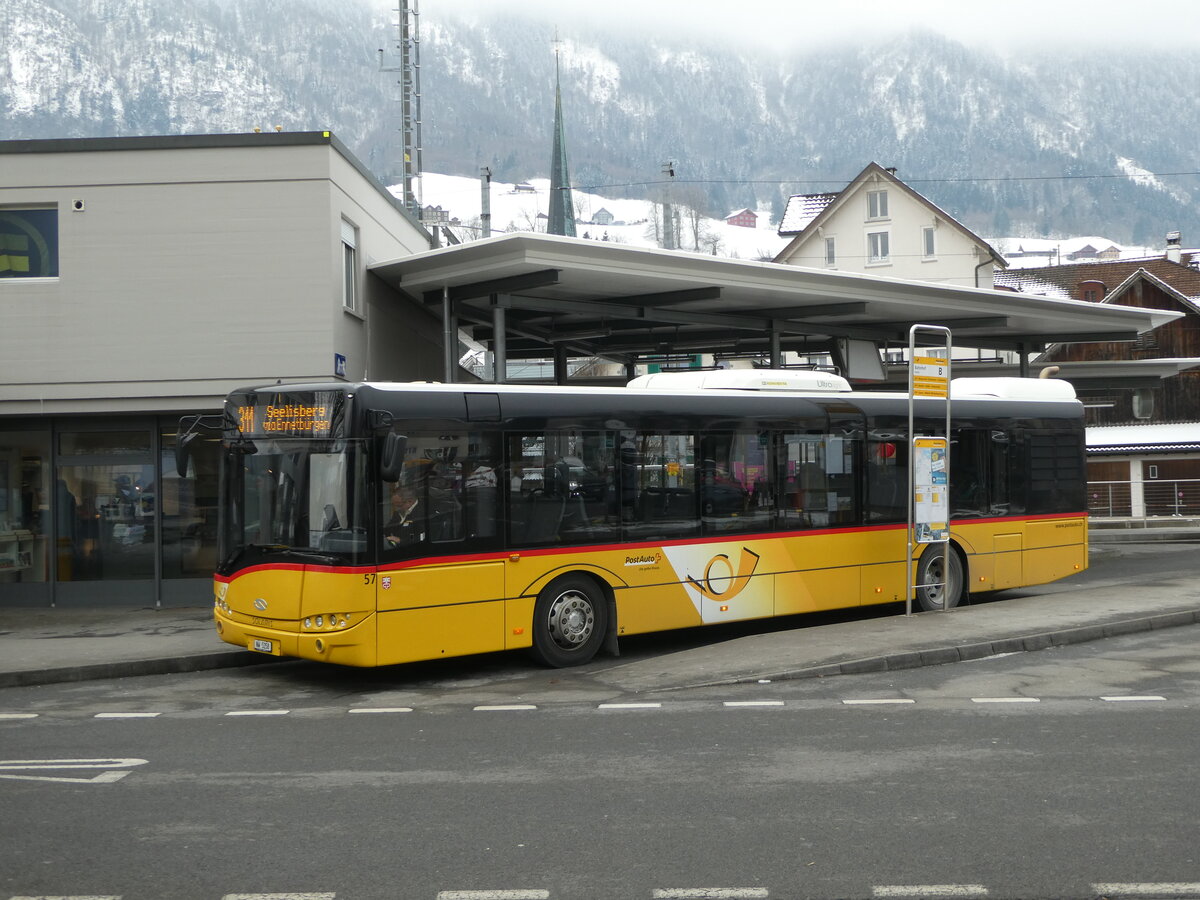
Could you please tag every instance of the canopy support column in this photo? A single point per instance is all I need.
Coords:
(499, 343)
(449, 338)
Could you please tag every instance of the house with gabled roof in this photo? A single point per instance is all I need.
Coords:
(879, 225)
(1143, 401)
(743, 218)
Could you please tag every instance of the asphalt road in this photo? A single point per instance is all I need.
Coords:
(1069, 772)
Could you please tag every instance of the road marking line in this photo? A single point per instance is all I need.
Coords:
(929, 890)
(18, 715)
(1147, 889)
(103, 763)
(381, 709)
(1130, 699)
(48, 765)
(128, 715)
(629, 706)
(258, 712)
(1005, 700)
(505, 707)
(70, 897)
(882, 702)
(708, 893)
(754, 703)
(493, 895)
(328, 896)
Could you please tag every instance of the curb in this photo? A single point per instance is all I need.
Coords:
(124, 669)
(912, 659)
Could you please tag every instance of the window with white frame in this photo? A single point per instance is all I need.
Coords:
(877, 247)
(928, 244)
(350, 300)
(877, 207)
(830, 251)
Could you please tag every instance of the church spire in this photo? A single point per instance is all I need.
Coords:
(562, 207)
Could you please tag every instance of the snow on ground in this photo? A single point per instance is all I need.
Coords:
(516, 209)
(1056, 251)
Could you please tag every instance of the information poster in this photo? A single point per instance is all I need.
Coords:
(931, 491)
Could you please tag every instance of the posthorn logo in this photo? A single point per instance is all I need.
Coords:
(720, 581)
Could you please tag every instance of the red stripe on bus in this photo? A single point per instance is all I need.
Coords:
(619, 547)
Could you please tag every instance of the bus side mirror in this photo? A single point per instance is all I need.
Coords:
(183, 452)
(391, 461)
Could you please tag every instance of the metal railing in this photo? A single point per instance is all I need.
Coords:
(1179, 497)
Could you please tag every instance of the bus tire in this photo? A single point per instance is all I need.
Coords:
(938, 565)
(570, 620)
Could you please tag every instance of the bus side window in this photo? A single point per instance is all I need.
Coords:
(887, 479)
(969, 458)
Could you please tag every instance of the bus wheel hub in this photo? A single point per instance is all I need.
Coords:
(571, 620)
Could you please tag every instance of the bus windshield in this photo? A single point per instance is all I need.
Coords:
(296, 497)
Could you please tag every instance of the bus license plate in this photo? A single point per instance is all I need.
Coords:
(262, 646)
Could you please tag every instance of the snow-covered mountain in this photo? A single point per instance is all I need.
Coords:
(1010, 143)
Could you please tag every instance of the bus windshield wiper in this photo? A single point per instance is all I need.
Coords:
(300, 552)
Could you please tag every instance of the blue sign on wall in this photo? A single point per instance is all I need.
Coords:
(339, 365)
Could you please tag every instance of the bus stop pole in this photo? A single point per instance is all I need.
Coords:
(935, 385)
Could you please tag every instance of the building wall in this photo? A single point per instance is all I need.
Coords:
(195, 266)
(187, 272)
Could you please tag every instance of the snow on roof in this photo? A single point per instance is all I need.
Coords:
(802, 209)
(1131, 438)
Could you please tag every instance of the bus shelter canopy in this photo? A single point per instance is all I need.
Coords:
(533, 296)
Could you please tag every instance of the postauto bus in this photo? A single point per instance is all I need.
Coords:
(372, 524)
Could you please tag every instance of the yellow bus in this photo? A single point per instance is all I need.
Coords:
(372, 524)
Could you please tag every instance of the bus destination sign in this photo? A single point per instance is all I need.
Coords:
(288, 415)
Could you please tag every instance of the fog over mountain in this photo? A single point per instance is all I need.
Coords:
(1007, 141)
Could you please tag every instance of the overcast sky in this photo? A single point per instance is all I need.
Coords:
(783, 22)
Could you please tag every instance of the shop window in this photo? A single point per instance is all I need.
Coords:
(189, 507)
(106, 521)
(25, 507)
(91, 443)
(28, 243)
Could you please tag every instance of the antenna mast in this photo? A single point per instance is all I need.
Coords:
(408, 43)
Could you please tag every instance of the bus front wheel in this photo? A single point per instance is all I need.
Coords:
(939, 576)
(570, 619)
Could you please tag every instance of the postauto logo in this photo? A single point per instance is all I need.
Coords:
(714, 580)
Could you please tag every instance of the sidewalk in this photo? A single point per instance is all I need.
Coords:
(45, 646)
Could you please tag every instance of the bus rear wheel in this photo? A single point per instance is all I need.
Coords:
(570, 619)
(940, 575)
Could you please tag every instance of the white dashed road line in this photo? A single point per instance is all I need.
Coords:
(324, 896)
(896, 702)
(754, 703)
(929, 890)
(629, 706)
(18, 715)
(127, 715)
(708, 893)
(1005, 700)
(381, 709)
(505, 707)
(1129, 699)
(1149, 889)
(494, 895)
(258, 712)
